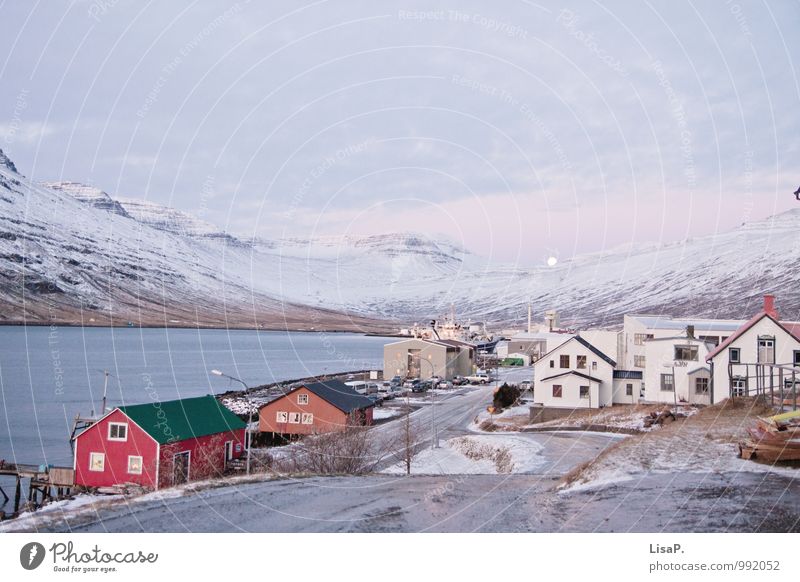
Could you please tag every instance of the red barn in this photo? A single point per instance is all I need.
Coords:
(159, 444)
(316, 408)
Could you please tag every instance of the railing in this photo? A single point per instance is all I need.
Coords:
(773, 380)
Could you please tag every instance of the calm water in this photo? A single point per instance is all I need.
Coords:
(47, 375)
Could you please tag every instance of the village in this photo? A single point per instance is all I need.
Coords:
(586, 407)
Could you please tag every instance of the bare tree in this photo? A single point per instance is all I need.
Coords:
(407, 442)
(352, 451)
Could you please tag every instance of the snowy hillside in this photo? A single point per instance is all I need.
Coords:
(75, 253)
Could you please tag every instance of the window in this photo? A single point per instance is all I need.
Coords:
(738, 386)
(294, 418)
(594, 365)
(97, 462)
(563, 361)
(584, 391)
(723, 338)
(667, 383)
(134, 465)
(117, 431)
(308, 418)
(282, 417)
(638, 361)
(302, 398)
(712, 339)
(797, 358)
(701, 386)
(766, 350)
(580, 362)
(734, 355)
(640, 338)
(552, 364)
(686, 353)
(556, 390)
(628, 389)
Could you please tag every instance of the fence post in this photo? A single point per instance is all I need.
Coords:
(780, 388)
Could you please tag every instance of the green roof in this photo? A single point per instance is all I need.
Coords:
(178, 420)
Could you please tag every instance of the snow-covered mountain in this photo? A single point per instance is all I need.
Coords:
(75, 253)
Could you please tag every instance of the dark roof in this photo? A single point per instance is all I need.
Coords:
(585, 344)
(575, 373)
(338, 394)
(178, 420)
(628, 374)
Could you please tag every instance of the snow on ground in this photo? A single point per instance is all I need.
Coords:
(705, 442)
(476, 455)
(386, 412)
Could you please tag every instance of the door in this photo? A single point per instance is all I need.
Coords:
(413, 363)
(180, 468)
(228, 451)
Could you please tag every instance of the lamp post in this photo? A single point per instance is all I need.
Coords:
(434, 435)
(249, 412)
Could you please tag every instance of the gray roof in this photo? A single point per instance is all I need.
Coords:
(700, 325)
(337, 393)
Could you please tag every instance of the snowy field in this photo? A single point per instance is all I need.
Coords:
(476, 455)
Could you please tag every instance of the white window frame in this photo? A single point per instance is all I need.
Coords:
(588, 392)
(738, 386)
(302, 399)
(141, 464)
(307, 418)
(294, 418)
(281, 417)
(663, 383)
(707, 389)
(738, 352)
(768, 349)
(578, 362)
(118, 439)
(628, 389)
(692, 349)
(102, 457)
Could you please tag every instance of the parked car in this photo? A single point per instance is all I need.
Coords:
(421, 386)
(389, 390)
(396, 381)
(525, 385)
(444, 385)
(411, 382)
(479, 378)
(376, 398)
(460, 381)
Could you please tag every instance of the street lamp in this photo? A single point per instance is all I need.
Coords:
(434, 435)
(249, 412)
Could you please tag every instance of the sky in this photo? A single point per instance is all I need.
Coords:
(520, 130)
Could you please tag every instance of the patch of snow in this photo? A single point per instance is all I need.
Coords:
(476, 455)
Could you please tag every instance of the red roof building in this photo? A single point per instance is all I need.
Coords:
(159, 444)
(315, 408)
(744, 363)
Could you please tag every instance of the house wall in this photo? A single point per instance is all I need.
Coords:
(326, 417)
(785, 345)
(206, 456)
(95, 439)
(694, 397)
(631, 326)
(660, 359)
(595, 367)
(619, 394)
(395, 359)
(570, 393)
(607, 341)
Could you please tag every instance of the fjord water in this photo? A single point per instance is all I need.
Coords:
(48, 374)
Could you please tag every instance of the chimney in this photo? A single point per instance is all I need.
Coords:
(769, 306)
(690, 331)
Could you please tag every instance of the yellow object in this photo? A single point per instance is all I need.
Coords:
(785, 416)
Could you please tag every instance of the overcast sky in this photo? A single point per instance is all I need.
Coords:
(518, 129)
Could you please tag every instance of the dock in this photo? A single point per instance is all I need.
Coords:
(46, 483)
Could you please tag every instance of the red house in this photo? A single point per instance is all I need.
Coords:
(159, 444)
(315, 408)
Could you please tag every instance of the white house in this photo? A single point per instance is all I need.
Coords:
(741, 365)
(637, 329)
(573, 375)
(676, 370)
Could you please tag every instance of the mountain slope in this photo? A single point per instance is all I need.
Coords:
(70, 252)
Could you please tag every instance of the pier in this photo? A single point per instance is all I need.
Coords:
(45, 483)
